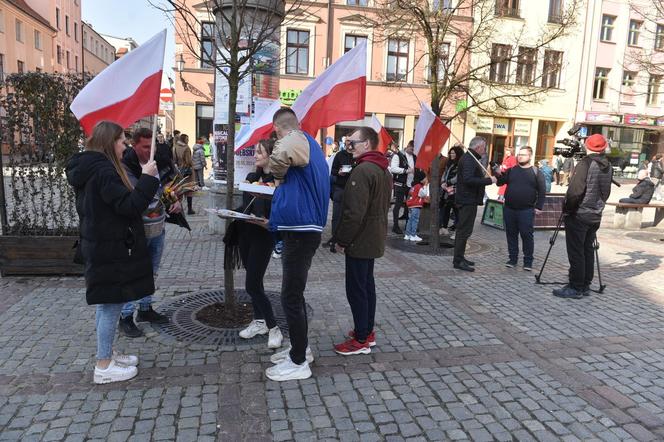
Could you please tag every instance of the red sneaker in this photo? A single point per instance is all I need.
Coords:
(371, 339)
(352, 347)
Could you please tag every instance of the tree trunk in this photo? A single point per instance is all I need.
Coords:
(229, 281)
(434, 192)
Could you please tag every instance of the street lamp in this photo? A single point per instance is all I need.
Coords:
(180, 64)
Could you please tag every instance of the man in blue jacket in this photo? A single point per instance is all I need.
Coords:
(299, 213)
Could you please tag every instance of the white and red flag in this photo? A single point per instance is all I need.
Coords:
(259, 128)
(338, 94)
(430, 136)
(384, 138)
(125, 91)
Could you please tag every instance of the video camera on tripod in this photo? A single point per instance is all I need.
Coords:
(574, 144)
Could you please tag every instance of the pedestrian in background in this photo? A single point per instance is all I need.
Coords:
(341, 169)
(471, 182)
(508, 162)
(643, 191)
(524, 199)
(361, 235)
(198, 162)
(415, 203)
(112, 246)
(183, 159)
(566, 171)
(402, 168)
(547, 172)
(448, 185)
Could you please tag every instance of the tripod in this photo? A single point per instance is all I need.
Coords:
(552, 241)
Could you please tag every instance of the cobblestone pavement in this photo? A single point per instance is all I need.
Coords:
(483, 356)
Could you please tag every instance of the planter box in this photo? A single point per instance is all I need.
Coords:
(38, 255)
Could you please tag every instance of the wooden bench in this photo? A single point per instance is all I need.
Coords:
(630, 216)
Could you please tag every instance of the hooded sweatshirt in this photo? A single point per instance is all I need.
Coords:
(589, 188)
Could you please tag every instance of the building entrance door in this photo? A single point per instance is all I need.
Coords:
(498, 151)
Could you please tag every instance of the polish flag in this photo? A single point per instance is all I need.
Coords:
(125, 91)
(338, 94)
(384, 138)
(259, 129)
(430, 136)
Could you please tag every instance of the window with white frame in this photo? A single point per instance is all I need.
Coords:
(19, 30)
(2, 22)
(207, 56)
(75, 31)
(499, 70)
(58, 55)
(20, 66)
(67, 24)
(652, 94)
(443, 5)
(397, 59)
(526, 65)
(608, 22)
(600, 84)
(57, 18)
(297, 52)
(357, 2)
(38, 43)
(394, 124)
(443, 62)
(555, 11)
(634, 32)
(352, 40)
(553, 64)
(627, 91)
(659, 38)
(507, 8)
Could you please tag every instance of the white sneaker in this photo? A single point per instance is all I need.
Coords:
(276, 255)
(256, 327)
(407, 238)
(114, 373)
(275, 338)
(287, 370)
(443, 231)
(415, 238)
(128, 360)
(282, 355)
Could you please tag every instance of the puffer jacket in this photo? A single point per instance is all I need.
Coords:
(589, 188)
(198, 157)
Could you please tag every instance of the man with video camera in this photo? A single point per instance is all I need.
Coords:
(589, 188)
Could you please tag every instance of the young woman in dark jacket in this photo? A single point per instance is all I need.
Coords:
(255, 244)
(448, 185)
(112, 245)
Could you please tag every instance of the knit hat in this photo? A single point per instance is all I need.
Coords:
(596, 143)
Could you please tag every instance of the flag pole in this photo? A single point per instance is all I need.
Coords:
(153, 147)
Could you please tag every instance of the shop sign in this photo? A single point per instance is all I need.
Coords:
(634, 158)
(638, 119)
(602, 118)
(521, 128)
(501, 126)
(484, 124)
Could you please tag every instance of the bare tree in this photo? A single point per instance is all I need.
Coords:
(470, 48)
(649, 56)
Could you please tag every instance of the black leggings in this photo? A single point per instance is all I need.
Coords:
(255, 249)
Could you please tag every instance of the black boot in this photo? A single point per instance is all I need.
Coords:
(152, 316)
(396, 229)
(190, 204)
(128, 327)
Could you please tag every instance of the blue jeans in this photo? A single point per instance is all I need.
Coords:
(156, 249)
(519, 222)
(361, 294)
(413, 221)
(106, 319)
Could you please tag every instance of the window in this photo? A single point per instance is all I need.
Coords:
(85, 40)
(19, 30)
(67, 24)
(628, 79)
(20, 66)
(525, 66)
(59, 54)
(297, 52)
(76, 62)
(634, 31)
(395, 127)
(75, 31)
(443, 5)
(207, 45)
(553, 63)
(653, 90)
(2, 22)
(500, 63)
(352, 40)
(601, 78)
(38, 44)
(38, 69)
(607, 27)
(555, 11)
(443, 62)
(57, 18)
(397, 60)
(357, 2)
(68, 64)
(659, 38)
(507, 8)
(2, 68)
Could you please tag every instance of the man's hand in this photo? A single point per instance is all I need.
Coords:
(339, 249)
(260, 222)
(175, 207)
(538, 212)
(410, 170)
(494, 180)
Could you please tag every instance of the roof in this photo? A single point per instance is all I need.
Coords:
(23, 6)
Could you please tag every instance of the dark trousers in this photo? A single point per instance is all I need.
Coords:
(255, 249)
(446, 207)
(580, 238)
(400, 195)
(519, 222)
(337, 196)
(464, 228)
(299, 250)
(361, 294)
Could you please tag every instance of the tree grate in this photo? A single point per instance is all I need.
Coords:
(184, 327)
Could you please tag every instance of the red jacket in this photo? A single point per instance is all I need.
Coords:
(414, 199)
(508, 163)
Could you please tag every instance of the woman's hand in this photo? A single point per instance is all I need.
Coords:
(150, 168)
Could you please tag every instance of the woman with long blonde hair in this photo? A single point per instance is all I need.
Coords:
(112, 244)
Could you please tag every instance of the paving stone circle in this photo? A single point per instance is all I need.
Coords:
(184, 326)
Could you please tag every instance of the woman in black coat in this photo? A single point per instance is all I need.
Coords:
(112, 246)
(448, 187)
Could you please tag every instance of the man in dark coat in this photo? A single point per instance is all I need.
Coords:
(341, 168)
(132, 160)
(586, 196)
(361, 235)
(643, 191)
(471, 181)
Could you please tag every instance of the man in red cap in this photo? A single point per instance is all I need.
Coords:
(589, 188)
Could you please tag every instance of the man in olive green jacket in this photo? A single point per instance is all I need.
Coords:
(361, 235)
